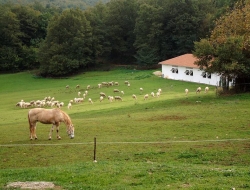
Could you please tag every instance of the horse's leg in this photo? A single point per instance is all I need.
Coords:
(35, 132)
(57, 131)
(51, 130)
(32, 131)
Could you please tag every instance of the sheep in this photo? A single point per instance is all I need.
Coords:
(118, 98)
(152, 94)
(159, 90)
(79, 94)
(111, 83)
(158, 94)
(146, 96)
(90, 101)
(99, 85)
(116, 83)
(126, 82)
(102, 94)
(101, 98)
(86, 92)
(104, 83)
(141, 89)
(110, 98)
(84, 95)
(116, 90)
(186, 91)
(206, 89)
(77, 86)
(61, 104)
(69, 105)
(198, 90)
(134, 97)
(122, 92)
(67, 86)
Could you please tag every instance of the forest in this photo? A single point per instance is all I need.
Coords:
(58, 40)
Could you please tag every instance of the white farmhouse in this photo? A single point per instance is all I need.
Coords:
(183, 68)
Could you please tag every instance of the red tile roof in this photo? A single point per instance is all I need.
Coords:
(186, 60)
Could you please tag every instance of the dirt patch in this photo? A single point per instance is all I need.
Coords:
(32, 185)
(158, 73)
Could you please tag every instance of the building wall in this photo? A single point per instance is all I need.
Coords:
(167, 71)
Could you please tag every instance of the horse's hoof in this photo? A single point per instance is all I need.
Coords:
(59, 138)
(36, 138)
(31, 139)
(49, 138)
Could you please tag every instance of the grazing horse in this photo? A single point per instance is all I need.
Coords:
(49, 116)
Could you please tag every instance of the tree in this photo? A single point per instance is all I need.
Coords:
(148, 30)
(10, 43)
(120, 23)
(67, 46)
(227, 50)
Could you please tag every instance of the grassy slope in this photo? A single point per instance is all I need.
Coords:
(176, 134)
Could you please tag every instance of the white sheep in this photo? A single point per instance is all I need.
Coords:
(158, 94)
(102, 94)
(186, 91)
(159, 90)
(69, 105)
(134, 97)
(145, 96)
(128, 84)
(122, 92)
(101, 98)
(67, 86)
(152, 94)
(78, 86)
(116, 83)
(99, 85)
(198, 90)
(88, 87)
(116, 90)
(110, 98)
(90, 101)
(79, 94)
(86, 92)
(118, 98)
(206, 89)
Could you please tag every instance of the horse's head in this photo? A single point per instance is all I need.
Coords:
(71, 130)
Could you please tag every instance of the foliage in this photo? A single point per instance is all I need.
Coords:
(67, 46)
(141, 32)
(227, 50)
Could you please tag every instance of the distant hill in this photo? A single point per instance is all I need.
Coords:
(63, 4)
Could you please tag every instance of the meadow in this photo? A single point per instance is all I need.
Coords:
(199, 141)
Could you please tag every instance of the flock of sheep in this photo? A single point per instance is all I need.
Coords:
(51, 102)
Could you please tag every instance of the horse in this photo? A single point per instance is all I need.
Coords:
(49, 116)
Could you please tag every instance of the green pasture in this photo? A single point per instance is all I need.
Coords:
(199, 141)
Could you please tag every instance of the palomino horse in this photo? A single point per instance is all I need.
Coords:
(49, 116)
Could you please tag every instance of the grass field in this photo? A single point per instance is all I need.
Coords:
(170, 142)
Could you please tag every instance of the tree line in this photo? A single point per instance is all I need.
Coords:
(60, 42)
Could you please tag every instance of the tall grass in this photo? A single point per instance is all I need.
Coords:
(199, 141)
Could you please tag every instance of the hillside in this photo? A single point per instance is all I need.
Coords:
(64, 4)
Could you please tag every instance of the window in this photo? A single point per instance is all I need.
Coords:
(204, 74)
(209, 75)
(174, 70)
(191, 73)
(187, 72)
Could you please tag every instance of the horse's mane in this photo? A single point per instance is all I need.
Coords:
(67, 119)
